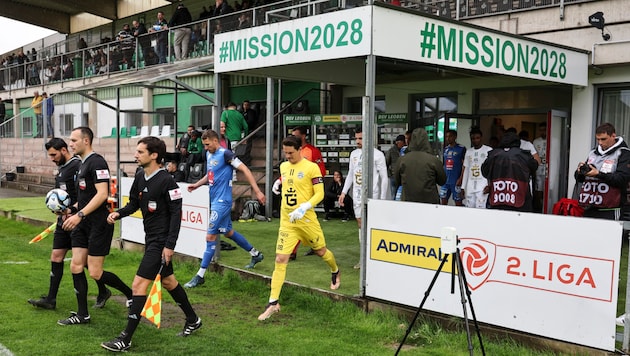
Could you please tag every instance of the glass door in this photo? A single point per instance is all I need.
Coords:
(557, 158)
(460, 123)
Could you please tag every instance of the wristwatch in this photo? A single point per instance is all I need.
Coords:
(81, 215)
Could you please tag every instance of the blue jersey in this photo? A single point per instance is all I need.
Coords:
(453, 161)
(219, 168)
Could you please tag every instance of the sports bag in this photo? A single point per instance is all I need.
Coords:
(251, 208)
(568, 207)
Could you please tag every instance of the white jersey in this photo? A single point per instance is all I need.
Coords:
(527, 146)
(473, 180)
(380, 186)
(540, 144)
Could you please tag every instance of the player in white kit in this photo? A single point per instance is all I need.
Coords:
(473, 182)
(354, 179)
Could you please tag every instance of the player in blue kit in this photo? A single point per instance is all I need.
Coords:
(453, 161)
(221, 164)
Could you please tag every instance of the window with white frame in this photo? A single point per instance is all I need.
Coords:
(66, 122)
(614, 107)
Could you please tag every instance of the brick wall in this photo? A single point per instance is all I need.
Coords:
(30, 153)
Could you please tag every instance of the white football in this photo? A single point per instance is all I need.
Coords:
(57, 200)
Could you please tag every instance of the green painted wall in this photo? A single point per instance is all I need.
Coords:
(184, 104)
(290, 91)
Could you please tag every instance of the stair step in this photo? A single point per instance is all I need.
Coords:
(40, 188)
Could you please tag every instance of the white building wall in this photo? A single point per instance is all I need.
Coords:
(107, 117)
(584, 113)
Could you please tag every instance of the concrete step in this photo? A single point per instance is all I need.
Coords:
(28, 187)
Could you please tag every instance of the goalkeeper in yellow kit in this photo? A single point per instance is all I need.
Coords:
(302, 189)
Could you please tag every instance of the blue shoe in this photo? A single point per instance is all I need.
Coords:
(195, 281)
(255, 259)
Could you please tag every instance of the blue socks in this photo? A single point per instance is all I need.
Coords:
(208, 254)
(241, 241)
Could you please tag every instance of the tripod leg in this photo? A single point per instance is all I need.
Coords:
(462, 294)
(424, 299)
(464, 287)
(453, 265)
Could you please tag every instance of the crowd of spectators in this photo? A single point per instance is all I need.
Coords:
(123, 51)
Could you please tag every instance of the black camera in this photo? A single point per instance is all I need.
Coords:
(585, 168)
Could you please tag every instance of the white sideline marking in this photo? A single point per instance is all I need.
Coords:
(14, 263)
(4, 351)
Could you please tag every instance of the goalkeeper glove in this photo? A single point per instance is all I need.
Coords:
(298, 213)
(277, 186)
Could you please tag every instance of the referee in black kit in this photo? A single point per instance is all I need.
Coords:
(68, 166)
(156, 194)
(91, 235)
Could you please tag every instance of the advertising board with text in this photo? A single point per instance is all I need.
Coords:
(458, 45)
(192, 234)
(340, 34)
(368, 30)
(553, 276)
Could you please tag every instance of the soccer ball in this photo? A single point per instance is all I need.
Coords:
(57, 200)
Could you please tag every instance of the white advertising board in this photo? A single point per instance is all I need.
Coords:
(340, 34)
(548, 275)
(192, 235)
(429, 40)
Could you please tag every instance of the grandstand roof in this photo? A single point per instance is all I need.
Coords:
(56, 15)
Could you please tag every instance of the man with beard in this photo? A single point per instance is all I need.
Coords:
(68, 167)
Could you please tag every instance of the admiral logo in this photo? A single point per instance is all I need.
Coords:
(407, 249)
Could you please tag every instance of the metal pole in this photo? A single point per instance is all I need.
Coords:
(269, 148)
(367, 164)
(118, 175)
(626, 324)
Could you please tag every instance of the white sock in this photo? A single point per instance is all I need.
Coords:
(201, 272)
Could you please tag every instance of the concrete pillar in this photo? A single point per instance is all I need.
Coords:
(93, 112)
(147, 105)
(17, 123)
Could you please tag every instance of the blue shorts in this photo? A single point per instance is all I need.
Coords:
(447, 189)
(220, 221)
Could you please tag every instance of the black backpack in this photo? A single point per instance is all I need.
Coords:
(251, 210)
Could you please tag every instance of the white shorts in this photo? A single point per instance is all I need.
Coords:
(356, 203)
(540, 183)
(476, 200)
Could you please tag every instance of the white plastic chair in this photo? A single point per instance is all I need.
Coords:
(144, 131)
(155, 131)
(166, 131)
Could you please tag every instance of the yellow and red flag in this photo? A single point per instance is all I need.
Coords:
(44, 234)
(153, 306)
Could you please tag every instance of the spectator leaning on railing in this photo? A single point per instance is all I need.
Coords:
(162, 37)
(180, 17)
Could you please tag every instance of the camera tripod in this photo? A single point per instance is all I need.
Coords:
(464, 292)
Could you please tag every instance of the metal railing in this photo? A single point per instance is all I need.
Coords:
(25, 125)
(157, 47)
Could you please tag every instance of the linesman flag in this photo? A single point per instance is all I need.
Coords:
(153, 306)
(44, 234)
